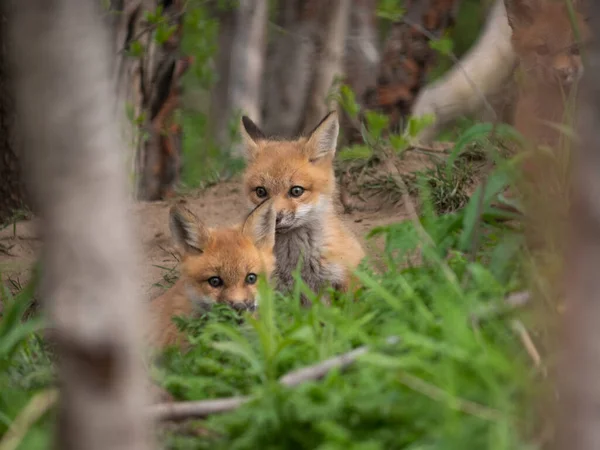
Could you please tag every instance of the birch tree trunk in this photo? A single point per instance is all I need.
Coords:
(329, 62)
(578, 422)
(74, 164)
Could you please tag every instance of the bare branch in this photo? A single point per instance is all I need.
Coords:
(204, 408)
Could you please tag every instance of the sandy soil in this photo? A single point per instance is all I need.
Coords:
(219, 205)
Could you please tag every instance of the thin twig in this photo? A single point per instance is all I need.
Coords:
(528, 343)
(512, 302)
(437, 394)
(205, 408)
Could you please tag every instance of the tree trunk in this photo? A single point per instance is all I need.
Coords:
(149, 84)
(483, 76)
(247, 60)
(362, 48)
(12, 194)
(408, 58)
(577, 424)
(329, 62)
(290, 64)
(74, 163)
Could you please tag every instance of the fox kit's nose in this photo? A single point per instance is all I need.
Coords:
(279, 218)
(242, 305)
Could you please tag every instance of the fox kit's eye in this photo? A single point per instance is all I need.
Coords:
(251, 278)
(296, 191)
(215, 282)
(261, 192)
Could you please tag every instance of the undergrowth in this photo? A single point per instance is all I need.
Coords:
(445, 384)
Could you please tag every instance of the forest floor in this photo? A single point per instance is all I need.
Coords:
(218, 205)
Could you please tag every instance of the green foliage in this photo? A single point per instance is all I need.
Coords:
(418, 393)
(391, 10)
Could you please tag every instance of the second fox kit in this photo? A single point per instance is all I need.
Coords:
(218, 266)
(298, 176)
(548, 52)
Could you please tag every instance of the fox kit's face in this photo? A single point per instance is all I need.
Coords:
(223, 265)
(297, 175)
(543, 39)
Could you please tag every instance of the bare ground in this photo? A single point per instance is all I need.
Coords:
(219, 205)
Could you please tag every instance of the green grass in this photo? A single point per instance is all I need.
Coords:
(444, 385)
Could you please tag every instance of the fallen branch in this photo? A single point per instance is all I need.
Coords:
(204, 408)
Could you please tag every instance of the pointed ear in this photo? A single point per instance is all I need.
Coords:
(251, 135)
(260, 225)
(188, 232)
(521, 12)
(323, 139)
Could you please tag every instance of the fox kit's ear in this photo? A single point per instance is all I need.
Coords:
(323, 139)
(521, 12)
(251, 135)
(189, 233)
(260, 225)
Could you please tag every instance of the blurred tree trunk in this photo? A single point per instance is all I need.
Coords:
(329, 62)
(578, 422)
(74, 165)
(240, 66)
(408, 58)
(148, 72)
(290, 64)
(362, 47)
(12, 195)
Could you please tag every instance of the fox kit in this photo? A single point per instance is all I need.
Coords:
(298, 176)
(218, 266)
(549, 60)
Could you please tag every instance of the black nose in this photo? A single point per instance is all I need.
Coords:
(279, 218)
(242, 305)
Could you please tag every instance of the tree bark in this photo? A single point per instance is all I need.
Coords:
(149, 85)
(289, 66)
(247, 61)
(329, 62)
(482, 80)
(407, 57)
(74, 164)
(362, 47)
(12, 194)
(577, 424)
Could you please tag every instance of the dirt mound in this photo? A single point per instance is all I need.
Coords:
(222, 204)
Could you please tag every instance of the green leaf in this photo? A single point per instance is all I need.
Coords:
(376, 123)
(135, 49)
(356, 151)
(443, 45)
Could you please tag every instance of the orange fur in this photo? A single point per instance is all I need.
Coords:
(231, 254)
(307, 225)
(549, 62)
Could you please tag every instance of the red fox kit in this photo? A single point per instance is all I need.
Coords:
(298, 176)
(218, 266)
(549, 60)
